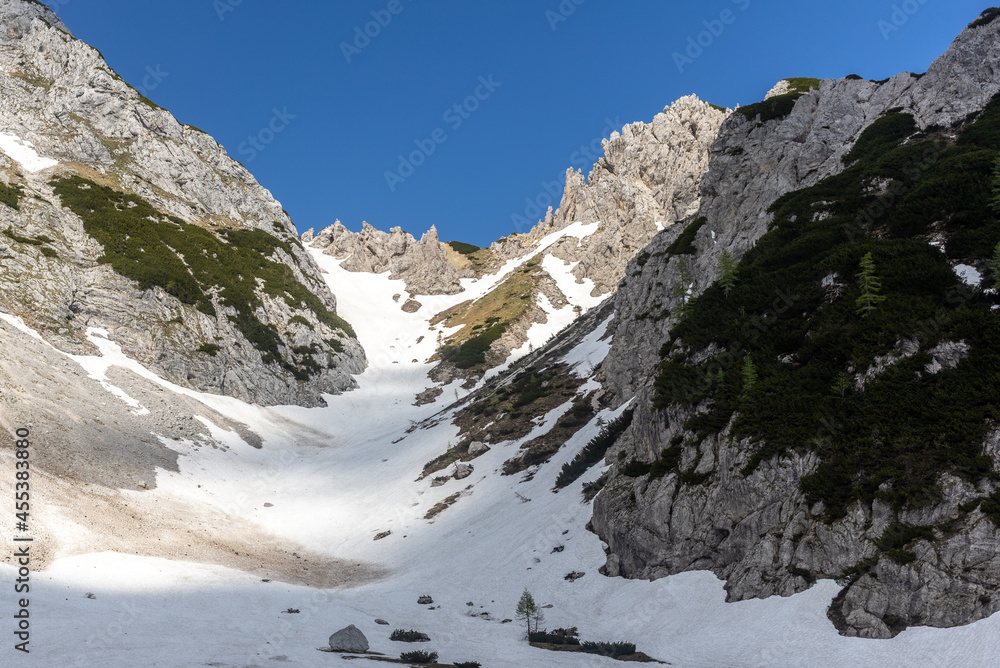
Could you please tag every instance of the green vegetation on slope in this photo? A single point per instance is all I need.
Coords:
(463, 248)
(11, 195)
(191, 263)
(684, 244)
(595, 450)
(986, 18)
(780, 106)
(484, 320)
(793, 311)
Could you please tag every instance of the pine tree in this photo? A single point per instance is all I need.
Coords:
(995, 266)
(842, 383)
(749, 375)
(527, 611)
(682, 287)
(727, 272)
(871, 286)
(995, 202)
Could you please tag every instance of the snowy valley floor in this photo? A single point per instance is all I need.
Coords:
(331, 479)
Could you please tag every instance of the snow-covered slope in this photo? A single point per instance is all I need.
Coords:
(327, 481)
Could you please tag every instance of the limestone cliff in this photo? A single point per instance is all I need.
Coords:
(66, 117)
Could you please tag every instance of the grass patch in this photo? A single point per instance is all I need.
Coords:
(442, 506)
(209, 349)
(486, 319)
(456, 454)
(191, 263)
(472, 352)
(493, 418)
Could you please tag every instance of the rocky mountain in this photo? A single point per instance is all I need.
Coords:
(118, 217)
(647, 181)
(754, 345)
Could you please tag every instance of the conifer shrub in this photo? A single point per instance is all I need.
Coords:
(595, 450)
(568, 636)
(419, 656)
(986, 18)
(780, 106)
(609, 649)
(463, 248)
(636, 469)
(684, 244)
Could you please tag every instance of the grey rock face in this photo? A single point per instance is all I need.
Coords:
(423, 264)
(647, 180)
(57, 93)
(758, 532)
(349, 639)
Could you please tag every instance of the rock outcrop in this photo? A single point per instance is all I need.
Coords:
(424, 265)
(647, 180)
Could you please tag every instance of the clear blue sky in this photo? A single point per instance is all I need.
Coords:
(227, 65)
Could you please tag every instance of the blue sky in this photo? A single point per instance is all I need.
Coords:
(537, 83)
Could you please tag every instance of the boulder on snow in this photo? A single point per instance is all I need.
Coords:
(463, 470)
(425, 600)
(349, 639)
(477, 448)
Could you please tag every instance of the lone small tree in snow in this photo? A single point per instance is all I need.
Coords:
(871, 286)
(727, 272)
(528, 611)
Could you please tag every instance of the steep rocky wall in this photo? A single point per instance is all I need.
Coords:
(757, 532)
